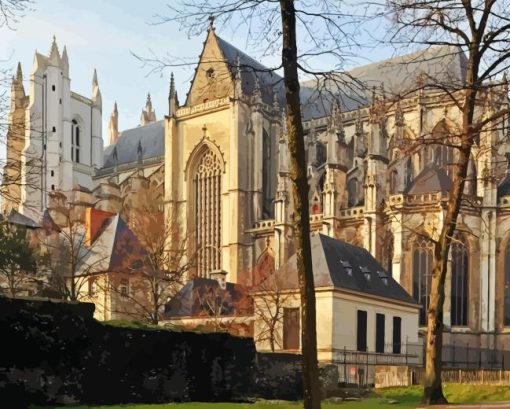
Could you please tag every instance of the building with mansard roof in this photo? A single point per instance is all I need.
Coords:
(380, 144)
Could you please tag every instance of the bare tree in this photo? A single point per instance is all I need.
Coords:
(482, 31)
(270, 298)
(165, 261)
(67, 252)
(11, 11)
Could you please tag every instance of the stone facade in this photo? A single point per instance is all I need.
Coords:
(55, 141)
(379, 170)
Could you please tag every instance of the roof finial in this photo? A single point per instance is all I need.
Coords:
(19, 73)
(54, 54)
(211, 22)
(204, 128)
(94, 79)
(172, 85)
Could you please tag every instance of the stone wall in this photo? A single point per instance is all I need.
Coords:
(56, 353)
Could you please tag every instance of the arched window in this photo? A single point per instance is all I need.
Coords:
(321, 153)
(352, 192)
(507, 286)
(422, 274)
(207, 191)
(459, 284)
(409, 172)
(75, 142)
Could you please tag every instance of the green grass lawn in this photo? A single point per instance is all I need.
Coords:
(382, 399)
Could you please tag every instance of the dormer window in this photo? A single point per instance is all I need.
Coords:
(347, 266)
(366, 272)
(383, 276)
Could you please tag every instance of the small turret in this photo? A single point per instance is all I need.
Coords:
(148, 114)
(96, 93)
(113, 126)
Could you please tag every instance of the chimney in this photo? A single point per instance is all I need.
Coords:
(220, 276)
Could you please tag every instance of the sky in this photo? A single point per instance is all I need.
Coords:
(103, 35)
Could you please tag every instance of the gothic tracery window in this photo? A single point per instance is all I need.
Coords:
(207, 190)
(459, 284)
(422, 274)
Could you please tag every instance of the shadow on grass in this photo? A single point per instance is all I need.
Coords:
(405, 397)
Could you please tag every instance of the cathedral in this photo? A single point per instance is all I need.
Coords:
(379, 165)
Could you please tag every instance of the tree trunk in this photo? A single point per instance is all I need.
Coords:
(311, 392)
(433, 391)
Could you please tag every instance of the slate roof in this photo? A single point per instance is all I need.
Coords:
(19, 219)
(445, 64)
(353, 90)
(431, 179)
(331, 259)
(186, 302)
(150, 136)
(115, 249)
(250, 70)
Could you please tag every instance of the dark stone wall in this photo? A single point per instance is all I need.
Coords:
(57, 353)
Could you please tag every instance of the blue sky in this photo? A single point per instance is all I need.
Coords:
(103, 34)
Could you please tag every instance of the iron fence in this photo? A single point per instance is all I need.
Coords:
(358, 367)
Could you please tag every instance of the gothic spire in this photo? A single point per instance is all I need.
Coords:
(19, 73)
(148, 114)
(113, 125)
(95, 83)
(173, 102)
(65, 61)
(96, 93)
(336, 123)
(54, 54)
(171, 93)
(283, 153)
